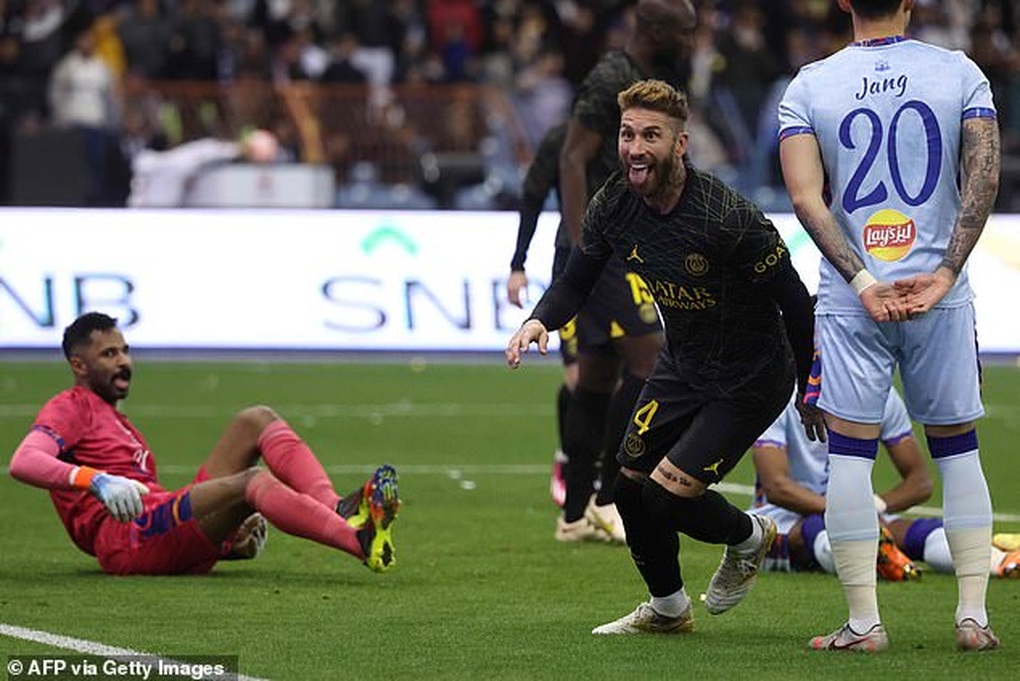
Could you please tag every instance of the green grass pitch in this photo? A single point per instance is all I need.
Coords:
(480, 589)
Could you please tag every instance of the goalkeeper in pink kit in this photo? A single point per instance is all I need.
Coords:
(102, 478)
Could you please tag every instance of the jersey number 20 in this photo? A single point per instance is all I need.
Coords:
(852, 197)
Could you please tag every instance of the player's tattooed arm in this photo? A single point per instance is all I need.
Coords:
(832, 243)
(804, 176)
(980, 152)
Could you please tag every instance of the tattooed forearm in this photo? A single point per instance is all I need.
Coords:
(829, 239)
(673, 477)
(980, 159)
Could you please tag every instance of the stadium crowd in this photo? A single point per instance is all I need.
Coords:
(112, 85)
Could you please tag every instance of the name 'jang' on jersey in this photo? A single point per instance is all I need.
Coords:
(887, 115)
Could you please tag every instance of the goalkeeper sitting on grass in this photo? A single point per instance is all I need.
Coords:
(102, 478)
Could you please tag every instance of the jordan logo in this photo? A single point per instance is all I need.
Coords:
(634, 256)
(714, 468)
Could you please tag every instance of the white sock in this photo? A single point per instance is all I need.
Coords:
(936, 552)
(752, 542)
(971, 550)
(850, 501)
(855, 565)
(672, 605)
(852, 526)
(997, 558)
(967, 509)
(822, 551)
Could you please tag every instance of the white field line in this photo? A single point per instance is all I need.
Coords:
(458, 472)
(401, 408)
(80, 645)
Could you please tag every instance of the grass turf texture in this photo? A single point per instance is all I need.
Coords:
(480, 588)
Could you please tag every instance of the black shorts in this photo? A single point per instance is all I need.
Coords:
(702, 429)
(619, 305)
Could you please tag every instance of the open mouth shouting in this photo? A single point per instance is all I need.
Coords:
(639, 174)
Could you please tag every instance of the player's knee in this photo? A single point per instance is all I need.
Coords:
(627, 493)
(248, 481)
(680, 513)
(239, 482)
(256, 418)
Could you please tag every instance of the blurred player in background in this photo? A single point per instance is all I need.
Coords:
(619, 332)
(541, 179)
(792, 472)
(103, 482)
(162, 179)
(721, 275)
(890, 153)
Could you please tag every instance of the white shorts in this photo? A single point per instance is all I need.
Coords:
(937, 358)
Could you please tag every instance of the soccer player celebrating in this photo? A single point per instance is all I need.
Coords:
(902, 137)
(720, 274)
(618, 330)
(102, 478)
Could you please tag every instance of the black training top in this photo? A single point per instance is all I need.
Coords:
(596, 108)
(543, 176)
(717, 268)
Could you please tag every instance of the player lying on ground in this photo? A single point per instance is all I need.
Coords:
(102, 478)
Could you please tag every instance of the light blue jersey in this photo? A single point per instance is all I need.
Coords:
(809, 461)
(887, 115)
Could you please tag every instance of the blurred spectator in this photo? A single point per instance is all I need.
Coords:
(195, 43)
(935, 22)
(341, 69)
(144, 32)
(749, 68)
(543, 94)
(109, 47)
(162, 179)
(531, 52)
(498, 66)
(298, 58)
(42, 45)
(579, 32)
(378, 33)
(82, 97)
(994, 52)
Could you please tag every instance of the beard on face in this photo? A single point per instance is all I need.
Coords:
(106, 385)
(662, 172)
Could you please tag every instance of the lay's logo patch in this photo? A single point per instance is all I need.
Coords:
(889, 235)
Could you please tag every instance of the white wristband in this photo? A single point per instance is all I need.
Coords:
(861, 281)
(880, 504)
